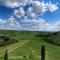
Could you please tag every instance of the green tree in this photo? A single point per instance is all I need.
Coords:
(6, 55)
(43, 52)
(31, 53)
(5, 38)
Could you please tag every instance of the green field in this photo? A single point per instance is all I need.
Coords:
(52, 52)
(29, 42)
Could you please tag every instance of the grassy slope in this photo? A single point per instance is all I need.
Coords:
(52, 52)
(11, 47)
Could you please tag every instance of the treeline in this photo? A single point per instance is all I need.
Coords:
(9, 36)
(51, 37)
(6, 39)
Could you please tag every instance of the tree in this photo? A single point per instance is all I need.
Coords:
(6, 38)
(43, 52)
(6, 55)
(31, 53)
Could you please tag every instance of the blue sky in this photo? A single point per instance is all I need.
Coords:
(36, 15)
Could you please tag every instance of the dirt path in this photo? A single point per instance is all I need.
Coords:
(22, 43)
(18, 46)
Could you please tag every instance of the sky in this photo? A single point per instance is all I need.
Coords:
(33, 15)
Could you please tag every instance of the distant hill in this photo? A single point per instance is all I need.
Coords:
(50, 37)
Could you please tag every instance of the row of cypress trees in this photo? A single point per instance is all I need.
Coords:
(42, 53)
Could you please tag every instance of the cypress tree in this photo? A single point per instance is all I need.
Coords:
(6, 55)
(43, 52)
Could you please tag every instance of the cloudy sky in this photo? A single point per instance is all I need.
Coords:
(35, 15)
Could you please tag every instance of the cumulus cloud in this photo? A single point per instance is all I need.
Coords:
(31, 13)
(52, 7)
(13, 23)
(50, 27)
(13, 3)
(37, 5)
(19, 12)
(2, 21)
(39, 8)
(41, 24)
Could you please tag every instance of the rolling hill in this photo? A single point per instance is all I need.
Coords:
(31, 41)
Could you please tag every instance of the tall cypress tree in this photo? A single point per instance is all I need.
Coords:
(6, 55)
(43, 52)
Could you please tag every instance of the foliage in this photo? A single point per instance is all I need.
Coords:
(6, 39)
(6, 55)
(15, 36)
(43, 53)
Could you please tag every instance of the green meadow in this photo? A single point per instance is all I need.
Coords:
(28, 42)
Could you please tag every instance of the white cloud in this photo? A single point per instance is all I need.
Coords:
(39, 8)
(42, 25)
(19, 12)
(2, 21)
(13, 3)
(37, 5)
(53, 7)
(31, 13)
(13, 23)
(16, 13)
(50, 27)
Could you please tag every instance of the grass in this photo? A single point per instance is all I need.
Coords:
(52, 51)
(11, 47)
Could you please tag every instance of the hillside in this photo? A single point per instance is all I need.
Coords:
(35, 41)
(14, 36)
